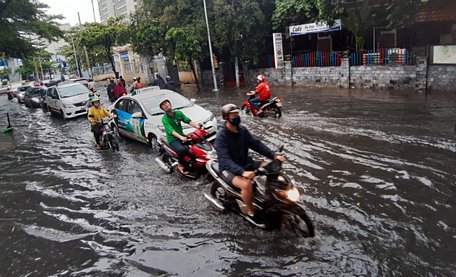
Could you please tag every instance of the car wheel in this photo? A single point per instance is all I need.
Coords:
(153, 142)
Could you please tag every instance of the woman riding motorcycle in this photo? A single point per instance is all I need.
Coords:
(95, 116)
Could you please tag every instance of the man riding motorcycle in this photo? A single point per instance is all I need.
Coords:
(263, 90)
(174, 134)
(232, 145)
(95, 115)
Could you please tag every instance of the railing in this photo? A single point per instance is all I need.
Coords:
(317, 59)
(384, 56)
(266, 62)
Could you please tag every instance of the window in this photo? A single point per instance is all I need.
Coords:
(122, 105)
(134, 107)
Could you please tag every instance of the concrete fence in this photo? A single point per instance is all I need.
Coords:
(362, 76)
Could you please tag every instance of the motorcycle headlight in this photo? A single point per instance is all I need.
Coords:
(211, 155)
(291, 194)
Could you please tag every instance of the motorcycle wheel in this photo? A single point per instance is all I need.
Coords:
(153, 143)
(113, 143)
(168, 161)
(218, 192)
(278, 112)
(299, 222)
(245, 110)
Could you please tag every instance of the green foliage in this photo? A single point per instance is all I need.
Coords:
(295, 12)
(22, 20)
(358, 21)
(401, 13)
(99, 38)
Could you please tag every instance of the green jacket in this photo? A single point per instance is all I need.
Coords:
(174, 124)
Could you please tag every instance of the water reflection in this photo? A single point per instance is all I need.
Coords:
(377, 169)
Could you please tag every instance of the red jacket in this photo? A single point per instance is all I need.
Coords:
(119, 91)
(263, 90)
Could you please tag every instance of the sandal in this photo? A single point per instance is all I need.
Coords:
(181, 171)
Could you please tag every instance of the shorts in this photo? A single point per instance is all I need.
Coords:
(228, 177)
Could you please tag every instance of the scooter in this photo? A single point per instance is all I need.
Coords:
(272, 106)
(276, 199)
(200, 151)
(108, 139)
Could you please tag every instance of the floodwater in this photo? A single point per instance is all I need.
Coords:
(378, 169)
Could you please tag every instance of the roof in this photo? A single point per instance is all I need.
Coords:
(437, 11)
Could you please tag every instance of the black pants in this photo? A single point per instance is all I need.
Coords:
(181, 150)
(97, 132)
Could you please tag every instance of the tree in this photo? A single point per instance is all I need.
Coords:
(358, 21)
(401, 13)
(100, 38)
(23, 23)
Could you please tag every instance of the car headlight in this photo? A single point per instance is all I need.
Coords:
(67, 106)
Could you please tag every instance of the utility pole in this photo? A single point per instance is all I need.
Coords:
(210, 48)
(76, 58)
(86, 54)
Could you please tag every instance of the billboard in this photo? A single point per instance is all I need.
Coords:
(444, 54)
(316, 27)
(278, 50)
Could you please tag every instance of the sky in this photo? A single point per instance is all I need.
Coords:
(70, 8)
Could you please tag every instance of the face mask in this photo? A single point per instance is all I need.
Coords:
(236, 121)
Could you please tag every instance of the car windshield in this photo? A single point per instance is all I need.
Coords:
(74, 90)
(177, 101)
(33, 92)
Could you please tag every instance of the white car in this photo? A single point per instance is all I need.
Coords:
(139, 117)
(68, 99)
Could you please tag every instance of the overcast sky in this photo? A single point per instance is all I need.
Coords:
(70, 8)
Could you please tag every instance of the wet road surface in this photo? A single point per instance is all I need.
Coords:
(377, 168)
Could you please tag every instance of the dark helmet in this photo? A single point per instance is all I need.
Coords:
(229, 108)
(168, 78)
(160, 105)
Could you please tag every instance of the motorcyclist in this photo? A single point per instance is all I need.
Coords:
(174, 134)
(95, 116)
(158, 81)
(138, 84)
(236, 166)
(263, 90)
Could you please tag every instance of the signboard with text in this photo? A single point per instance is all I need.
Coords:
(278, 50)
(444, 54)
(316, 27)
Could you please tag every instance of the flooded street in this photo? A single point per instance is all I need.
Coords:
(378, 170)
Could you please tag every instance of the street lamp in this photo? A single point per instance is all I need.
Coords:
(210, 47)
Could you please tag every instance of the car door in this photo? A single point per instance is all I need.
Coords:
(123, 117)
(137, 120)
(51, 98)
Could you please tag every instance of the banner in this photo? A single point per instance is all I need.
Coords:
(444, 54)
(278, 50)
(317, 27)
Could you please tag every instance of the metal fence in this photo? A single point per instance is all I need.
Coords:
(317, 59)
(383, 56)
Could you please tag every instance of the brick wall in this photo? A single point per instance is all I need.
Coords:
(374, 76)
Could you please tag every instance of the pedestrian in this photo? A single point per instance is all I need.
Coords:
(119, 90)
(122, 81)
(110, 89)
(138, 84)
(159, 81)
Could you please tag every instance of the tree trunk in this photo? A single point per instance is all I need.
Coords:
(111, 60)
(236, 71)
(192, 66)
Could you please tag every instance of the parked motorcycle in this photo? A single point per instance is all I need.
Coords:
(276, 198)
(108, 139)
(200, 151)
(272, 106)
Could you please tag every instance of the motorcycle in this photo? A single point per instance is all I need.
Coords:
(271, 106)
(276, 199)
(200, 151)
(108, 139)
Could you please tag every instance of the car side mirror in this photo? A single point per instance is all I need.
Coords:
(137, 115)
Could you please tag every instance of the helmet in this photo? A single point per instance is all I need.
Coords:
(229, 108)
(260, 78)
(134, 78)
(95, 99)
(160, 105)
(168, 77)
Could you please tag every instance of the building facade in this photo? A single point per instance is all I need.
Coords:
(113, 8)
